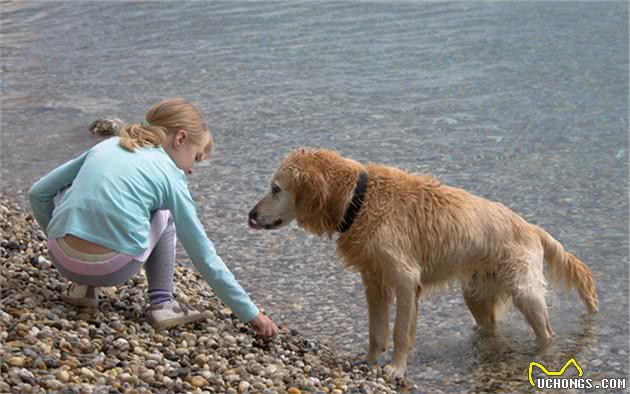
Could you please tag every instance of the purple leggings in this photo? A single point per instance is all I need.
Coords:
(158, 260)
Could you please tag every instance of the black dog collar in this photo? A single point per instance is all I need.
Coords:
(356, 203)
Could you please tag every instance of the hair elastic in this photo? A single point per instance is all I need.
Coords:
(145, 123)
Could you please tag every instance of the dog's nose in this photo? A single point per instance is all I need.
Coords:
(253, 216)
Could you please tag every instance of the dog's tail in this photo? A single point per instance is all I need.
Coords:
(565, 267)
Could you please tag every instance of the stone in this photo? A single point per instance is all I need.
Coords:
(25, 375)
(271, 370)
(122, 344)
(87, 373)
(243, 386)
(53, 384)
(148, 376)
(17, 361)
(51, 346)
(198, 381)
(34, 332)
(168, 382)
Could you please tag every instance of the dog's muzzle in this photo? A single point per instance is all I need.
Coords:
(253, 221)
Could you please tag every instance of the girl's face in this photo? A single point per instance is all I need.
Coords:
(184, 152)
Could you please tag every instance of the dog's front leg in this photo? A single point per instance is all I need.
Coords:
(405, 327)
(379, 300)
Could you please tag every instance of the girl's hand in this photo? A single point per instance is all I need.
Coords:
(264, 326)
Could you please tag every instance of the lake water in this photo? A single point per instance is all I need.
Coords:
(524, 103)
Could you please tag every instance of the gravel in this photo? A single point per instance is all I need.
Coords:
(53, 347)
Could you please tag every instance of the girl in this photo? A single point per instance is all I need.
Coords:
(118, 207)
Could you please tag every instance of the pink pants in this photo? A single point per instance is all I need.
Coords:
(114, 269)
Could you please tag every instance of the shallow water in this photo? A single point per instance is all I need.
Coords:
(523, 103)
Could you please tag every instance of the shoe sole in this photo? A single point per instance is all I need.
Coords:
(84, 302)
(164, 324)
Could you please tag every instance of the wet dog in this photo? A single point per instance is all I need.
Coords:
(407, 233)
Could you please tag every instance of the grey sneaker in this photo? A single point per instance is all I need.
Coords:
(81, 295)
(172, 313)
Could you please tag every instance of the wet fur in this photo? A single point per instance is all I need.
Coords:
(415, 233)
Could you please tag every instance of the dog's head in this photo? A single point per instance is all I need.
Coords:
(312, 186)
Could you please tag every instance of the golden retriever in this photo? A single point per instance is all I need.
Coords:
(406, 233)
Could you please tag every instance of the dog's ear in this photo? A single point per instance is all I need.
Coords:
(313, 204)
(318, 209)
(311, 192)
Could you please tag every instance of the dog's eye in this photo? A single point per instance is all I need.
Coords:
(275, 189)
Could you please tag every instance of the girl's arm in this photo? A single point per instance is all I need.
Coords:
(43, 191)
(203, 254)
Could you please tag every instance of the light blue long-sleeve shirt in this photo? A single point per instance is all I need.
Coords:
(113, 195)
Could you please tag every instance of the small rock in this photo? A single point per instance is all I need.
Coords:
(148, 376)
(53, 384)
(62, 375)
(87, 373)
(270, 370)
(155, 357)
(243, 386)
(105, 127)
(17, 361)
(25, 375)
(124, 377)
(168, 382)
(34, 332)
(50, 361)
(122, 344)
(198, 381)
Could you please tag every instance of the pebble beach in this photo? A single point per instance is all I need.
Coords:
(49, 346)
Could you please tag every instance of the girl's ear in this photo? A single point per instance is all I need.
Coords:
(180, 138)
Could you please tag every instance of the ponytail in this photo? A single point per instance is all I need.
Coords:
(163, 119)
(138, 136)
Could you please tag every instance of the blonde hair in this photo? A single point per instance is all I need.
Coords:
(163, 119)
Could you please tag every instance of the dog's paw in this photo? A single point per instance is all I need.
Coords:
(395, 372)
(543, 343)
(361, 359)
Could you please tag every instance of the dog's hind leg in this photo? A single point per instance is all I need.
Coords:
(482, 306)
(532, 305)
(482, 300)
(528, 295)
(379, 300)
